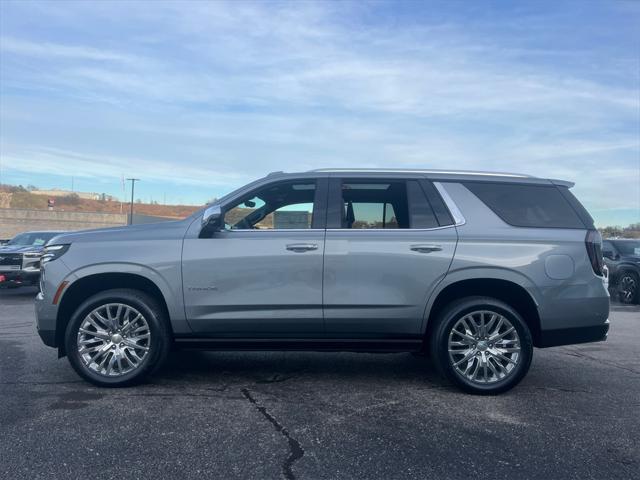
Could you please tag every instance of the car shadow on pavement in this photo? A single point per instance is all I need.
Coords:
(274, 367)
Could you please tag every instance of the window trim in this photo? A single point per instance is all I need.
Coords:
(456, 214)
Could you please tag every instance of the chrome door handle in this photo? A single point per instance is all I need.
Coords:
(426, 248)
(302, 247)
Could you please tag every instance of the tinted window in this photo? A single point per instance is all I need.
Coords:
(35, 239)
(421, 213)
(628, 247)
(439, 208)
(371, 204)
(587, 220)
(279, 206)
(527, 205)
(607, 247)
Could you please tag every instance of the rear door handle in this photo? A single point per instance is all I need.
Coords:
(426, 248)
(302, 247)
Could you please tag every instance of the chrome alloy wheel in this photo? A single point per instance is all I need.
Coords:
(484, 347)
(113, 339)
(627, 288)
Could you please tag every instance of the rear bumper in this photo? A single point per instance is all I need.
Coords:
(570, 336)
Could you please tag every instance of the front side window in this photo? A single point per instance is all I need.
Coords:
(287, 205)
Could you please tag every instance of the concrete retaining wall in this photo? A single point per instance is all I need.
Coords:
(15, 220)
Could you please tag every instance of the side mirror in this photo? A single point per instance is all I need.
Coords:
(212, 219)
(609, 254)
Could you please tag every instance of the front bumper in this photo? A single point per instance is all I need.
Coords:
(53, 275)
(46, 320)
(17, 278)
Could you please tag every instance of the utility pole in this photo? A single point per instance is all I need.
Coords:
(133, 184)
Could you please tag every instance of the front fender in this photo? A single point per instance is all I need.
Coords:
(170, 288)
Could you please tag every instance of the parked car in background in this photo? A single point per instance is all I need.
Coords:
(476, 269)
(20, 258)
(622, 257)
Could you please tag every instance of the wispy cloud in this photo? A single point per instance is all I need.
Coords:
(241, 88)
(49, 50)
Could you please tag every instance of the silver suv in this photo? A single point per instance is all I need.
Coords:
(474, 269)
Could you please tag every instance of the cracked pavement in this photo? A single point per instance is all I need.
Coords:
(317, 415)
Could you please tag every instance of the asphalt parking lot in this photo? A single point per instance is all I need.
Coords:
(317, 415)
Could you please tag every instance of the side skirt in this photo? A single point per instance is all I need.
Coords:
(311, 344)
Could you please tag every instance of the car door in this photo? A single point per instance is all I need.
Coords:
(261, 275)
(387, 247)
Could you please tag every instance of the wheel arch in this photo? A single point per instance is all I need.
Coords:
(89, 285)
(505, 290)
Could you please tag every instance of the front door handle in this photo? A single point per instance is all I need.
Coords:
(426, 248)
(302, 247)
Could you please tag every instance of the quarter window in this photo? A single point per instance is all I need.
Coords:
(541, 206)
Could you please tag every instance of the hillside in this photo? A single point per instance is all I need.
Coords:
(18, 197)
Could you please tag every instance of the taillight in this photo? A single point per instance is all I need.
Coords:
(593, 242)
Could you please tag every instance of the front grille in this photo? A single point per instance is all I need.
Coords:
(10, 259)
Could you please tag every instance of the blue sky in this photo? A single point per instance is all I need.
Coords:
(199, 98)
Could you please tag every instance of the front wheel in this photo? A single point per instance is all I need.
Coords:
(482, 345)
(117, 337)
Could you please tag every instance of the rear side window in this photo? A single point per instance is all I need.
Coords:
(439, 208)
(420, 211)
(541, 206)
(370, 204)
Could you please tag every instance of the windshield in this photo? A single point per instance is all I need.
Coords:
(34, 239)
(628, 247)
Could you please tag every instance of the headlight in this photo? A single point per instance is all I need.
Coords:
(52, 252)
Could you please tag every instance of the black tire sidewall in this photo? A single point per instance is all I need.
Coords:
(159, 341)
(440, 347)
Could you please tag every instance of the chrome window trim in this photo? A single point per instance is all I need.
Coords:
(388, 229)
(458, 218)
(268, 230)
(339, 229)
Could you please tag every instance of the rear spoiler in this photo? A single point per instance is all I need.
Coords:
(562, 183)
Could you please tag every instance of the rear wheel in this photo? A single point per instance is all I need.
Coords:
(482, 345)
(628, 287)
(117, 337)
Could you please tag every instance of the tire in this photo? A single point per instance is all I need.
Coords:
(628, 288)
(130, 337)
(476, 354)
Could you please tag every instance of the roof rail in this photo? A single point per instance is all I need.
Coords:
(417, 170)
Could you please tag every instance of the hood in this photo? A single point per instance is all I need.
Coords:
(21, 248)
(147, 231)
